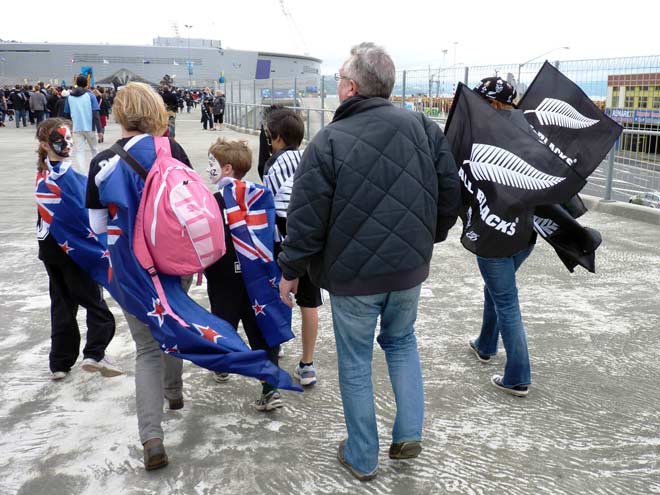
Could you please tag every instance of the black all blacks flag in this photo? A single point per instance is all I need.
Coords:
(505, 172)
(567, 121)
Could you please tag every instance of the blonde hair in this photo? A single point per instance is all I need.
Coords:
(235, 153)
(137, 107)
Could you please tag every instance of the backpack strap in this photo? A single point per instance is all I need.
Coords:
(128, 158)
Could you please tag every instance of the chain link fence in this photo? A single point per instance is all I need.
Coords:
(627, 89)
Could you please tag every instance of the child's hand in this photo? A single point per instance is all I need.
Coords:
(287, 288)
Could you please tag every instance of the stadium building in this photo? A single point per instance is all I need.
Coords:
(189, 62)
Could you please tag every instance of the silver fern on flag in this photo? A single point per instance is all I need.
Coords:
(494, 164)
(559, 113)
(545, 226)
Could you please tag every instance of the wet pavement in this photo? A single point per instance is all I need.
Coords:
(590, 425)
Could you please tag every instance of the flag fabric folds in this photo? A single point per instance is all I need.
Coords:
(208, 341)
(567, 121)
(250, 214)
(505, 172)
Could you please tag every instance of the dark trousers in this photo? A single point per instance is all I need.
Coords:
(69, 288)
(234, 306)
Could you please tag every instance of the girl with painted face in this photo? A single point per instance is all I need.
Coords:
(69, 286)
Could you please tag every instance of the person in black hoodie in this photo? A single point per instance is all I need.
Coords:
(20, 104)
(375, 189)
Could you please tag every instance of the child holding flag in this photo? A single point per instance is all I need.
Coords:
(69, 286)
(229, 161)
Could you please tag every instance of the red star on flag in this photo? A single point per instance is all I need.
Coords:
(258, 308)
(91, 235)
(113, 209)
(158, 311)
(208, 333)
(273, 282)
(170, 350)
(65, 247)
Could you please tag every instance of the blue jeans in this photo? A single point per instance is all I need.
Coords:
(354, 320)
(20, 115)
(502, 316)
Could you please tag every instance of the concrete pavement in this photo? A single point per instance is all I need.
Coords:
(590, 424)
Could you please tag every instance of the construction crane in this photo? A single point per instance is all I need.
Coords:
(175, 27)
(294, 28)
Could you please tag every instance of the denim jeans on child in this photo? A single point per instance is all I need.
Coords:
(354, 320)
(502, 316)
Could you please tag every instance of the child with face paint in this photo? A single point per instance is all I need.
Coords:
(225, 286)
(69, 286)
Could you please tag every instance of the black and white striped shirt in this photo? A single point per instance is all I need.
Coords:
(279, 179)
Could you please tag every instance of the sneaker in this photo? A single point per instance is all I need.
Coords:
(306, 375)
(359, 475)
(220, 377)
(281, 351)
(105, 366)
(405, 450)
(481, 357)
(154, 454)
(269, 401)
(58, 375)
(518, 390)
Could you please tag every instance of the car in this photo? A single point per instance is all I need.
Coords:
(651, 199)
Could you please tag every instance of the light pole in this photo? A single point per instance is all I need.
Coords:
(190, 71)
(520, 66)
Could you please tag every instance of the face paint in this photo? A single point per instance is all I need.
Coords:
(61, 141)
(214, 170)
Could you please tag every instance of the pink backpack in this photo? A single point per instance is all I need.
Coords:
(178, 226)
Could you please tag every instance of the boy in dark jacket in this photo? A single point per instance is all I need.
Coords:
(225, 286)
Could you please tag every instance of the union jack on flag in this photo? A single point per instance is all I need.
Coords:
(248, 211)
(250, 215)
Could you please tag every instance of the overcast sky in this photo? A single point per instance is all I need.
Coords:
(415, 33)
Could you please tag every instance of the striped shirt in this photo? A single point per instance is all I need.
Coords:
(279, 179)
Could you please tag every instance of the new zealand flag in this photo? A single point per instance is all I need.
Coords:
(250, 213)
(505, 172)
(208, 341)
(567, 121)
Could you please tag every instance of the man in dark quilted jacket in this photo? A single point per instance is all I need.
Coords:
(374, 191)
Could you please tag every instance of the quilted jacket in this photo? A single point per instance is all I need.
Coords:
(374, 190)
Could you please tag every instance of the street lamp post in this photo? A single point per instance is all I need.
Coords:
(189, 64)
(520, 66)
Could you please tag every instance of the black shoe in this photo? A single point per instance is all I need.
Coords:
(154, 454)
(176, 403)
(518, 390)
(405, 450)
(481, 357)
(353, 471)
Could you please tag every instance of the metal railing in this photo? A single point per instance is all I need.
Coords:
(632, 167)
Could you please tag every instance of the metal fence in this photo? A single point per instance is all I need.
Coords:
(632, 97)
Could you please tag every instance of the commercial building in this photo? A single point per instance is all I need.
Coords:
(189, 62)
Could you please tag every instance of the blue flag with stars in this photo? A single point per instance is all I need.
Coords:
(207, 340)
(250, 215)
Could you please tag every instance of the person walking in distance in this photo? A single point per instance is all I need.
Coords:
(83, 109)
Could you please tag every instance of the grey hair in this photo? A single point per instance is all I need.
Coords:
(372, 69)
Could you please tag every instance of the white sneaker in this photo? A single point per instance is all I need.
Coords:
(306, 375)
(105, 366)
(281, 352)
(58, 375)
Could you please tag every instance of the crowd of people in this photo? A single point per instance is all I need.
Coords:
(357, 212)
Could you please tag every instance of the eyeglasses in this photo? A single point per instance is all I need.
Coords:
(338, 76)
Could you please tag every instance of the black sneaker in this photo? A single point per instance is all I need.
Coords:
(518, 390)
(481, 357)
(269, 401)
